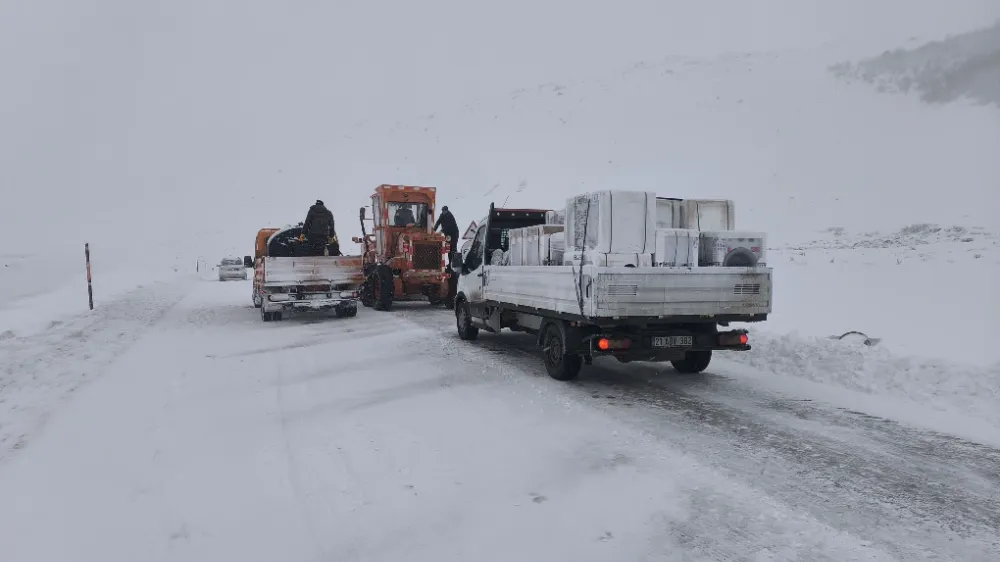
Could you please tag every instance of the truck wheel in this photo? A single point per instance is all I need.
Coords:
(463, 317)
(346, 311)
(383, 288)
(257, 303)
(693, 362)
(560, 365)
(367, 292)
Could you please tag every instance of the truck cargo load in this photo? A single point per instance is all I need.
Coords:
(730, 248)
(677, 247)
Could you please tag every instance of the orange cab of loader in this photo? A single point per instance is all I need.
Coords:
(263, 235)
(260, 246)
(405, 260)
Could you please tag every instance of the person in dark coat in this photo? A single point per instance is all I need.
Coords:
(318, 228)
(449, 227)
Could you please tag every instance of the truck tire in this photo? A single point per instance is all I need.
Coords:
(367, 288)
(346, 312)
(560, 365)
(257, 303)
(463, 318)
(367, 294)
(693, 362)
(383, 288)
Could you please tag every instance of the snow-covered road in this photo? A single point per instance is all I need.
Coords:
(204, 434)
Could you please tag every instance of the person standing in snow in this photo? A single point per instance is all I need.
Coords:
(449, 227)
(318, 228)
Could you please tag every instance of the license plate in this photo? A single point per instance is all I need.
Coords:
(672, 341)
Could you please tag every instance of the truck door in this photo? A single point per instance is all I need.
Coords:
(472, 272)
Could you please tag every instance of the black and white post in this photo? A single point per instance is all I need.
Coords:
(90, 287)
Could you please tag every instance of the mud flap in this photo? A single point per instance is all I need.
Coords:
(493, 322)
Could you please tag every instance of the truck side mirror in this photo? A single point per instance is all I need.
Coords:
(456, 262)
(362, 213)
(356, 240)
(247, 261)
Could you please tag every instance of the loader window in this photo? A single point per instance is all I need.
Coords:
(402, 214)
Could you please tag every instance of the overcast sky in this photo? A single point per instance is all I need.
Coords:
(129, 114)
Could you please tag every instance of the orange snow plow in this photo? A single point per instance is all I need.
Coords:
(404, 259)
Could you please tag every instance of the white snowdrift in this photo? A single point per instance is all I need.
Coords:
(43, 288)
(941, 395)
(926, 290)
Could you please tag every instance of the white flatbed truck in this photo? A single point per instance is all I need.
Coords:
(578, 312)
(284, 281)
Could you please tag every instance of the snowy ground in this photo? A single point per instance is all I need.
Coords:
(173, 424)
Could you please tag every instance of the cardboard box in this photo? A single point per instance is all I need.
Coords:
(611, 222)
(707, 214)
(676, 247)
(531, 245)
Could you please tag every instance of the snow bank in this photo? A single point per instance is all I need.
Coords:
(33, 314)
(43, 287)
(46, 360)
(946, 396)
(925, 290)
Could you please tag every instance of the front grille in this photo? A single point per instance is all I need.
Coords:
(746, 289)
(427, 256)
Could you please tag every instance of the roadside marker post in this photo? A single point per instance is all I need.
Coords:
(90, 286)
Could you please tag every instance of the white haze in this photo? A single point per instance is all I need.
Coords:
(144, 126)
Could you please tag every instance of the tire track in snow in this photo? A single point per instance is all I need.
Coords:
(39, 372)
(913, 493)
(293, 466)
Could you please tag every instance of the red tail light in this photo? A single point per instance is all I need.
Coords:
(733, 338)
(608, 344)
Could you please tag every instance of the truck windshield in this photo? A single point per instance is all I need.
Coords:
(403, 214)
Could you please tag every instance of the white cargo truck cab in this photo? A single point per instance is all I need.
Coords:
(602, 290)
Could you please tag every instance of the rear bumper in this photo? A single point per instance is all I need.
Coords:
(309, 302)
(642, 347)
